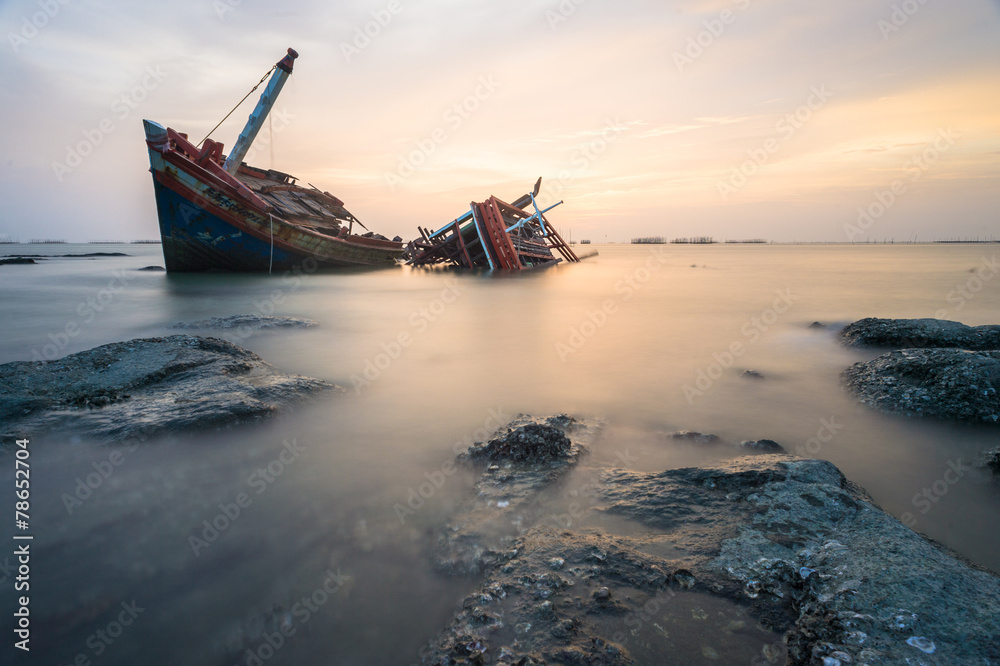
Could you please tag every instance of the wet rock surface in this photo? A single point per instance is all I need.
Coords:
(795, 534)
(608, 603)
(991, 460)
(692, 437)
(526, 441)
(16, 260)
(761, 446)
(765, 559)
(919, 333)
(248, 322)
(951, 384)
(145, 387)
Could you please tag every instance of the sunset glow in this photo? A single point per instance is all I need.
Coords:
(737, 119)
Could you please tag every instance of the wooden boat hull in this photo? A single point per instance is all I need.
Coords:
(195, 240)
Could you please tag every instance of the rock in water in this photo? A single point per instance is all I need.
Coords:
(951, 384)
(919, 333)
(762, 446)
(991, 460)
(145, 387)
(530, 454)
(250, 322)
(795, 534)
(524, 442)
(524, 613)
(692, 437)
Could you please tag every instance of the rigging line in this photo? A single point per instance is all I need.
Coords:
(262, 79)
(270, 137)
(270, 263)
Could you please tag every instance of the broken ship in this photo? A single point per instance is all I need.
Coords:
(494, 234)
(218, 214)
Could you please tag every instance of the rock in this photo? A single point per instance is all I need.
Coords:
(524, 442)
(145, 387)
(692, 437)
(754, 526)
(17, 260)
(251, 322)
(610, 593)
(762, 446)
(752, 374)
(919, 333)
(784, 553)
(152, 268)
(951, 384)
(991, 460)
(529, 455)
(817, 324)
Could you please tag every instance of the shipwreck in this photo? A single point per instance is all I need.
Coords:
(217, 213)
(494, 234)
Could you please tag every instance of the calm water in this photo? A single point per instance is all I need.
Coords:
(651, 339)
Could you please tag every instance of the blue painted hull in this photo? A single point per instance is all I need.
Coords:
(195, 240)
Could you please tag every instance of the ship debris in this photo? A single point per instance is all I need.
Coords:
(494, 234)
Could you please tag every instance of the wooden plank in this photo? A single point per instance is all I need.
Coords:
(511, 210)
(461, 244)
(561, 245)
(484, 236)
(501, 241)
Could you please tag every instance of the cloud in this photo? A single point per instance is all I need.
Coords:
(560, 85)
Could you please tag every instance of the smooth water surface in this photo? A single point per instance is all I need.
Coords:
(649, 338)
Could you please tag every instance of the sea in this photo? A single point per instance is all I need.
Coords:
(141, 553)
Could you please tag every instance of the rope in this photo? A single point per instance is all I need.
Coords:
(270, 263)
(262, 79)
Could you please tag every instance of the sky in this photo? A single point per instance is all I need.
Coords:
(843, 121)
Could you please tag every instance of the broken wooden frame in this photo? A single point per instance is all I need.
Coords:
(494, 234)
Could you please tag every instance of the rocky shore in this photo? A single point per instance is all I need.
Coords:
(250, 322)
(145, 387)
(764, 559)
(919, 333)
(947, 370)
(952, 384)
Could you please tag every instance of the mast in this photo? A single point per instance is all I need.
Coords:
(256, 121)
